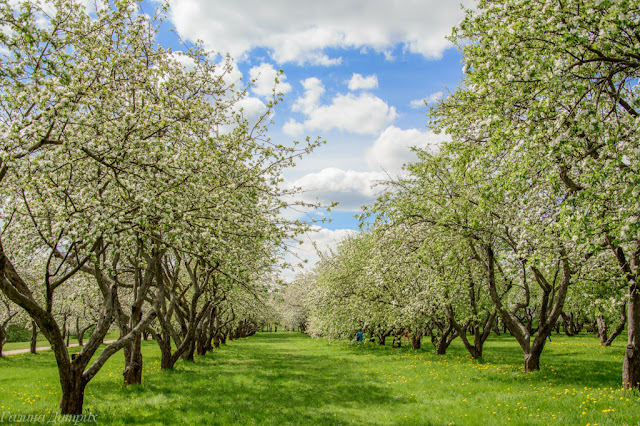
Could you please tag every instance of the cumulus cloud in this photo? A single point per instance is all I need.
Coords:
(252, 108)
(392, 149)
(295, 33)
(264, 76)
(363, 114)
(351, 189)
(293, 128)
(432, 98)
(319, 239)
(313, 90)
(359, 82)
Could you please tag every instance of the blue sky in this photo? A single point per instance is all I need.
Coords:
(355, 74)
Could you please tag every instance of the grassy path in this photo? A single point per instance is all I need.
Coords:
(289, 378)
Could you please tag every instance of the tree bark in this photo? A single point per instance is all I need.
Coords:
(532, 359)
(551, 304)
(3, 338)
(72, 399)
(34, 338)
(416, 340)
(132, 373)
(78, 332)
(188, 353)
(631, 365)
(602, 329)
(445, 338)
(382, 337)
(133, 367)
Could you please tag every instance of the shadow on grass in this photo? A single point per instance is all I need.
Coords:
(562, 361)
(283, 378)
(272, 380)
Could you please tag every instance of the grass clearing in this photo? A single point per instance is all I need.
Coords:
(289, 378)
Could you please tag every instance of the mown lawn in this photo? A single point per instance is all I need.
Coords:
(289, 378)
(42, 341)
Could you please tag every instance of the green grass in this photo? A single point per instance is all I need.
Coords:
(42, 341)
(289, 378)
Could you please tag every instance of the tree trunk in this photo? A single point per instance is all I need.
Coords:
(72, 398)
(568, 324)
(133, 354)
(200, 345)
(188, 353)
(416, 341)
(133, 364)
(79, 332)
(441, 347)
(444, 341)
(602, 329)
(620, 328)
(532, 360)
(382, 337)
(34, 337)
(631, 365)
(480, 331)
(64, 327)
(3, 338)
(166, 360)
(445, 338)
(397, 341)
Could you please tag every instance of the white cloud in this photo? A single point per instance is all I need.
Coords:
(264, 76)
(351, 189)
(363, 114)
(392, 148)
(359, 82)
(252, 108)
(417, 103)
(313, 90)
(293, 128)
(320, 239)
(432, 98)
(300, 32)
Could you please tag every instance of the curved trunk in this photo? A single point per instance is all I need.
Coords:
(444, 340)
(382, 337)
(602, 329)
(397, 341)
(188, 353)
(619, 329)
(532, 360)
